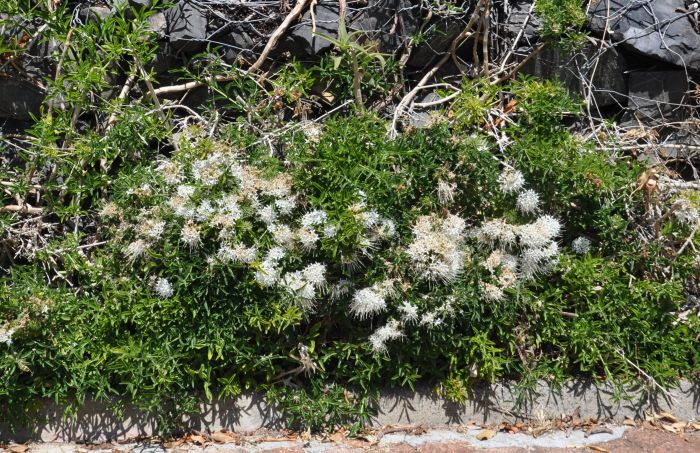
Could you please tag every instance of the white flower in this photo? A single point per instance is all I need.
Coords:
(267, 214)
(446, 192)
(135, 249)
(409, 312)
(528, 201)
(170, 171)
(437, 247)
(152, 228)
(313, 218)
(453, 226)
(268, 274)
(430, 320)
(491, 293)
(367, 302)
(380, 336)
(163, 288)
(581, 245)
(538, 260)
(685, 212)
(185, 191)
(275, 254)
(208, 171)
(282, 235)
(286, 205)
(6, 335)
(315, 274)
(369, 218)
(190, 235)
(496, 231)
(539, 233)
(295, 283)
(511, 180)
(204, 211)
(386, 228)
(329, 231)
(239, 253)
(307, 238)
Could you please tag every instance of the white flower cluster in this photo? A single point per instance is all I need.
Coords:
(371, 301)
(249, 220)
(518, 252)
(6, 335)
(437, 249)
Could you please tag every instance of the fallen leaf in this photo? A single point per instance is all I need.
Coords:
(18, 448)
(337, 436)
(596, 448)
(173, 444)
(669, 428)
(197, 439)
(668, 417)
(679, 425)
(629, 422)
(222, 437)
(695, 425)
(485, 434)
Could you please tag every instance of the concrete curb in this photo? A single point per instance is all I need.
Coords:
(487, 404)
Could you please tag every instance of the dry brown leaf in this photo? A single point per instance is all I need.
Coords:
(18, 448)
(695, 425)
(222, 437)
(629, 422)
(197, 439)
(338, 436)
(174, 443)
(485, 434)
(596, 448)
(669, 428)
(668, 417)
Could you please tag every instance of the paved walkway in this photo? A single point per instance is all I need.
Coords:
(617, 439)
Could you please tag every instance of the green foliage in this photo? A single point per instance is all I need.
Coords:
(182, 262)
(562, 21)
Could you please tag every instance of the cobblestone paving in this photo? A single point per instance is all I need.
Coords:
(622, 440)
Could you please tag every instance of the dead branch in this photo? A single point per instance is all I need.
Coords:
(277, 34)
(466, 33)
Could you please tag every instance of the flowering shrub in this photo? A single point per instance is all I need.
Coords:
(334, 262)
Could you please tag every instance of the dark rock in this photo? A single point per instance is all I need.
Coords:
(95, 14)
(240, 41)
(186, 27)
(571, 68)
(517, 17)
(656, 28)
(19, 99)
(391, 22)
(140, 4)
(657, 97)
(436, 40)
(303, 41)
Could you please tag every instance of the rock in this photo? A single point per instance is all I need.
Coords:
(140, 4)
(302, 41)
(609, 86)
(239, 42)
(656, 97)
(19, 99)
(95, 14)
(516, 18)
(391, 22)
(655, 28)
(440, 34)
(186, 27)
